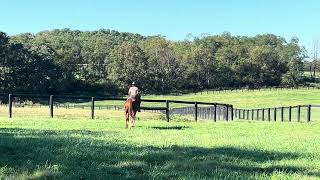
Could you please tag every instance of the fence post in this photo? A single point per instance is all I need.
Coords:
(92, 107)
(167, 111)
(227, 113)
(248, 114)
(243, 114)
(282, 114)
(269, 113)
(51, 106)
(262, 114)
(298, 111)
(231, 112)
(275, 114)
(215, 113)
(252, 114)
(10, 105)
(196, 111)
(309, 113)
(290, 109)
(258, 113)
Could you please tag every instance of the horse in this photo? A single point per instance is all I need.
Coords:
(130, 109)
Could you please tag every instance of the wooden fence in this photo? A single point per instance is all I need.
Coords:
(197, 112)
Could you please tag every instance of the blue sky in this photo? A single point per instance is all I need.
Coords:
(174, 19)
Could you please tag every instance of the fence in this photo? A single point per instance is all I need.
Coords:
(226, 113)
(245, 89)
(290, 113)
(215, 112)
(198, 110)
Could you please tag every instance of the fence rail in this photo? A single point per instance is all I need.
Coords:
(165, 109)
(215, 112)
(198, 110)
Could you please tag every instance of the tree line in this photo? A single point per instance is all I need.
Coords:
(107, 61)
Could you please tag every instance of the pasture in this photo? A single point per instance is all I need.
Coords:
(262, 98)
(73, 146)
(38, 148)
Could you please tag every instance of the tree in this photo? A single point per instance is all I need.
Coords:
(97, 60)
(267, 68)
(293, 56)
(163, 68)
(129, 63)
(23, 70)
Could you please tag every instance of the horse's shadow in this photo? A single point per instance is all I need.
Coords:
(170, 127)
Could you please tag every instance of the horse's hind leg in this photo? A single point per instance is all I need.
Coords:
(127, 118)
(133, 117)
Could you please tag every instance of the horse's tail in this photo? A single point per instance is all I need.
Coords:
(128, 106)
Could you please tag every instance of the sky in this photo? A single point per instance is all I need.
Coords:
(174, 19)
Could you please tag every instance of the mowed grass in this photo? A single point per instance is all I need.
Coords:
(73, 146)
(81, 148)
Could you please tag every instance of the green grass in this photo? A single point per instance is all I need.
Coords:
(72, 146)
(308, 74)
(248, 99)
(59, 148)
(264, 98)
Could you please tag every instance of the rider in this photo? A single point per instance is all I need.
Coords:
(134, 95)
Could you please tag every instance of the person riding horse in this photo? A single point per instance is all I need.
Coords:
(134, 94)
(132, 104)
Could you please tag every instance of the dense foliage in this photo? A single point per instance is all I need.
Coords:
(61, 61)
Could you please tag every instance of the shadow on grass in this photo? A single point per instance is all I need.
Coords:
(170, 127)
(76, 154)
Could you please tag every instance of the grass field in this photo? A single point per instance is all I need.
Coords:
(247, 99)
(63, 148)
(309, 74)
(73, 146)
(264, 98)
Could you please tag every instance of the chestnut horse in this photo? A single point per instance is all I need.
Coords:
(130, 109)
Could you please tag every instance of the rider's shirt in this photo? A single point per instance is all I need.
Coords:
(133, 91)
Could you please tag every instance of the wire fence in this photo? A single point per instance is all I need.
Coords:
(297, 113)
